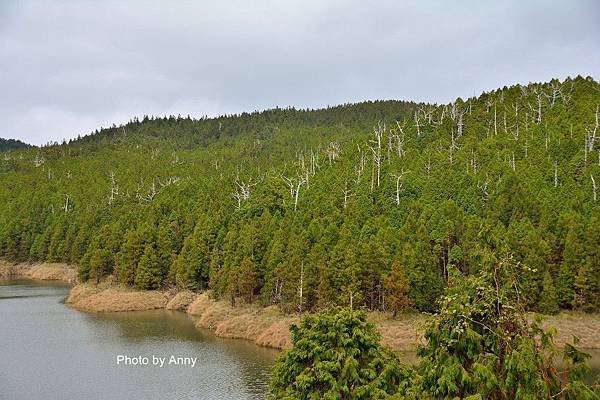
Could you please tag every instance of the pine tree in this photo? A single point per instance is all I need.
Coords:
(396, 288)
(572, 260)
(247, 280)
(335, 355)
(549, 300)
(129, 257)
(149, 271)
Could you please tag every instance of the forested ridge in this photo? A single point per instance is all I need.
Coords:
(368, 205)
(11, 144)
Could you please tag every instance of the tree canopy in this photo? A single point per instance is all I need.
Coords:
(370, 204)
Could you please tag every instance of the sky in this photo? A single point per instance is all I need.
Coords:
(70, 67)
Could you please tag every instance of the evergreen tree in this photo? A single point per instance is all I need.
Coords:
(335, 355)
(549, 300)
(247, 280)
(149, 271)
(396, 289)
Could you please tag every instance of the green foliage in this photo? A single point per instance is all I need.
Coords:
(549, 300)
(262, 205)
(396, 287)
(480, 345)
(335, 355)
(149, 271)
(12, 144)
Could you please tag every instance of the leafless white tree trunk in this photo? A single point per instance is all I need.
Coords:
(592, 130)
(66, 206)
(347, 194)
(399, 185)
(114, 188)
(243, 191)
(294, 186)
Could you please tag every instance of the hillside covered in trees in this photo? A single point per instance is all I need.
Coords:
(368, 205)
(11, 144)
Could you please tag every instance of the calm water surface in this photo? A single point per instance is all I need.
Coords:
(50, 351)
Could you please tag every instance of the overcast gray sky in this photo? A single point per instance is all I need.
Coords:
(67, 68)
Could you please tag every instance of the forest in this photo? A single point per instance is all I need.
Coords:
(11, 144)
(367, 205)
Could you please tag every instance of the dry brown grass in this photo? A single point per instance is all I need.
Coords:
(569, 324)
(263, 326)
(9, 270)
(52, 272)
(97, 299)
(43, 271)
(403, 333)
(181, 300)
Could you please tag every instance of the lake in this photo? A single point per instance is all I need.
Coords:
(50, 351)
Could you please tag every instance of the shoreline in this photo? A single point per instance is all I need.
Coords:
(264, 326)
(40, 271)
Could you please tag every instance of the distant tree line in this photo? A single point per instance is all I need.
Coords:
(12, 144)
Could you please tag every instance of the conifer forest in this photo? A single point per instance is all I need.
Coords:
(366, 205)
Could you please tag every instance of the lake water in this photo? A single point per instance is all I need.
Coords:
(50, 351)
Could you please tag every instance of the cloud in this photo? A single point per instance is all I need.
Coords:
(70, 67)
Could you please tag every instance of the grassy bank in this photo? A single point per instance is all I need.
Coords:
(265, 326)
(41, 271)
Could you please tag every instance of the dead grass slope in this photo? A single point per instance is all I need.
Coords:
(111, 299)
(263, 326)
(41, 271)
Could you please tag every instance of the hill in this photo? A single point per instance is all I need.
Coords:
(12, 144)
(362, 204)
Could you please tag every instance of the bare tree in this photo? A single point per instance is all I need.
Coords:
(294, 186)
(483, 187)
(538, 115)
(495, 121)
(67, 205)
(359, 169)
(592, 130)
(243, 191)
(39, 160)
(376, 150)
(301, 286)
(399, 185)
(399, 136)
(151, 193)
(417, 123)
(511, 162)
(347, 194)
(460, 122)
(332, 151)
(114, 188)
(593, 187)
(428, 165)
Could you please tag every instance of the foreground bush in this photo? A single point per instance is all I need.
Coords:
(336, 355)
(479, 346)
